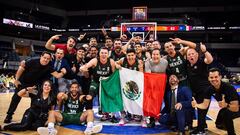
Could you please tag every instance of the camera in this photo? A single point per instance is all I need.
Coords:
(43, 116)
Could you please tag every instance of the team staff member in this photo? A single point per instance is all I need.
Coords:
(36, 116)
(30, 73)
(227, 97)
(197, 69)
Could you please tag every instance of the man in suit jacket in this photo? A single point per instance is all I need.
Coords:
(58, 63)
(175, 114)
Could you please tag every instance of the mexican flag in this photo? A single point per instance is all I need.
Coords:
(133, 91)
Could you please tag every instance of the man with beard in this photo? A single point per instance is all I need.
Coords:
(178, 111)
(72, 113)
(117, 53)
(31, 72)
(108, 43)
(93, 42)
(68, 48)
(227, 97)
(197, 69)
(176, 61)
(93, 53)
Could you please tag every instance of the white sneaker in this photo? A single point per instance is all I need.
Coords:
(93, 130)
(122, 122)
(46, 131)
(144, 123)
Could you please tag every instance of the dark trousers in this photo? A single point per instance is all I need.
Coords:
(177, 119)
(225, 117)
(30, 121)
(202, 113)
(14, 102)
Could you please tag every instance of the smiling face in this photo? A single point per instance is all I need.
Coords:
(108, 43)
(93, 42)
(173, 80)
(70, 43)
(80, 53)
(156, 45)
(156, 56)
(103, 54)
(131, 57)
(93, 52)
(47, 87)
(215, 79)
(45, 59)
(192, 56)
(74, 89)
(118, 46)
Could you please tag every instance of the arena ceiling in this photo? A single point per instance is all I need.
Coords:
(74, 5)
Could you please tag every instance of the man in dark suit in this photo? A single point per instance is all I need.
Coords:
(58, 63)
(178, 112)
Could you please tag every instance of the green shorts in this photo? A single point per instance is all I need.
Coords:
(94, 88)
(71, 118)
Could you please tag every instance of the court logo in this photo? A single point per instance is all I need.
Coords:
(131, 90)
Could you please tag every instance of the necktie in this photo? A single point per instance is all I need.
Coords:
(57, 65)
(173, 101)
(56, 68)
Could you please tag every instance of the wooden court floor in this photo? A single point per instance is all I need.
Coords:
(5, 99)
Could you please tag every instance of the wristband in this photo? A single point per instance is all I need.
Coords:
(204, 52)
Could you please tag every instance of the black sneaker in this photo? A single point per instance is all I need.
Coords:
(220, 126)
(8, 119)
(113, 119)
(104, 117)
(197, 132)
(151, 122)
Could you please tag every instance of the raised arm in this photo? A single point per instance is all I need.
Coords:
(91, 63)
(49, 44)
(179, 41)
(208, 57)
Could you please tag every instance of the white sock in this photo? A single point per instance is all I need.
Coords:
(90, 124)
(51, 125)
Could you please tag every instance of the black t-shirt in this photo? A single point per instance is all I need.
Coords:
(198, 76)
(40, 105)
(35, 72)
(228, 90)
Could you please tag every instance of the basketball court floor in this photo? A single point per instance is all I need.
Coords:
(5, 99)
